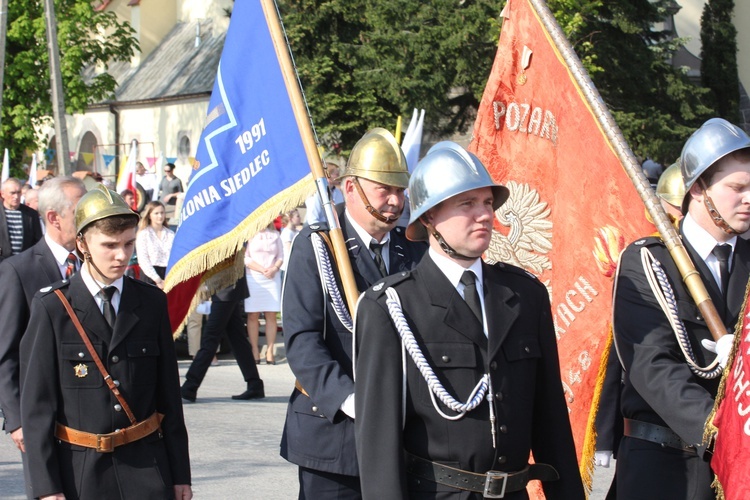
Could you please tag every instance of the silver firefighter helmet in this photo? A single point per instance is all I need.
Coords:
(714, 140)
(446, 170)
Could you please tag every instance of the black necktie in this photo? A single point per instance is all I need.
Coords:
(471, 296)
(108, 310)
(722, 253)
(70, 263)
(377, 248)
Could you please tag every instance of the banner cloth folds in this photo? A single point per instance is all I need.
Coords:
(572, 207)
(250, 163)
(730, 423)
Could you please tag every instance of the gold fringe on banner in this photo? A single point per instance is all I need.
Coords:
(586, 466)
(221, 259)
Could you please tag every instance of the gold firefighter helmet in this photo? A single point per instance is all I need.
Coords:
(378, 157)
(100, 203)
(670, 187)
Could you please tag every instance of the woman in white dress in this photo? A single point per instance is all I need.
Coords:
(153, 243)
(263, 259)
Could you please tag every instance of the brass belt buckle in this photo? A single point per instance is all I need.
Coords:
(103, 443)
(492, 476)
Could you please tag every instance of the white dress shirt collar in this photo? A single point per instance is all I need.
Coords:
(60, 253)
(704, 243)
(94, 287)
(701, 240)
(453, 271)
(367, 239)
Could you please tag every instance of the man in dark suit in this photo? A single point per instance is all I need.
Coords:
(226, 316)
(19, 225)
(22, 275)
(457, 412)
(85, 438)
(319, 431)
(667, 395)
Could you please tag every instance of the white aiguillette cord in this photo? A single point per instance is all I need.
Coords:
(481, 390)
(664, 294)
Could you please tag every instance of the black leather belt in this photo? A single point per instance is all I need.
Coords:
(493, 484)
(656, 434)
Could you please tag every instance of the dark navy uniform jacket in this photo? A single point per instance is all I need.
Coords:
(317, 435)
(520, 355)
(659, 387)
(21, 276)
(139, 354)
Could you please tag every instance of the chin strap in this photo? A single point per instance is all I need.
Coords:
(444, 244)
(714, 214)
(372, 210)
(87, 260)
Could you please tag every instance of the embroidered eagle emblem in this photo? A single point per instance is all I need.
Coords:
(529, 236)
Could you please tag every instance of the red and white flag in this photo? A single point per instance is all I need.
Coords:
(572, 206)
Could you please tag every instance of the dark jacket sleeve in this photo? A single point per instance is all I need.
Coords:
(552, 439)
(39, 400)
(15, 314)
(304, 308)
(609, 423)
(169, 403)
(378, 423)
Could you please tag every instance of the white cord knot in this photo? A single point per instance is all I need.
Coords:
(477, 395)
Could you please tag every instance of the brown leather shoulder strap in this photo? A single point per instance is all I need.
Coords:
(95, 356)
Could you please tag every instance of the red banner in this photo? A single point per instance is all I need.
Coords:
(731, 423)
(572, 207)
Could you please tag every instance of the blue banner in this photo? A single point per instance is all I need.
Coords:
(250, 163)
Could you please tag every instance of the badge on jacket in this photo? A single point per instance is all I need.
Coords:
(81, 370)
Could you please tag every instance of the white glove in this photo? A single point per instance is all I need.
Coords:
(602, 458)
(721, 347)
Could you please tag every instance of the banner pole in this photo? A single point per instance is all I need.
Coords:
(633, 169)
(341, 255)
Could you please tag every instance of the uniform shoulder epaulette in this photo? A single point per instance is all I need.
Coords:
(518, 271)
(54, 286)
(317, 227)
(382, 285)
(648, 241)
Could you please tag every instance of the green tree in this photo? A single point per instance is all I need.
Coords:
(719, 57)
(629, 59)
(87, 39)
(363, 63)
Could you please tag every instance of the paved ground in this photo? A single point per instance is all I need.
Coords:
(234, 445)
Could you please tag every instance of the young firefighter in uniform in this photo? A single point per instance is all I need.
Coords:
(100, 400)
(666, 349)
(457, 376)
